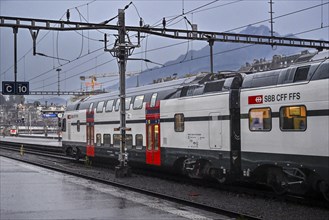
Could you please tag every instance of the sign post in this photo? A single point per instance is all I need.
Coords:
(15, 88)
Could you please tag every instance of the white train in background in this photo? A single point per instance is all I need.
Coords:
(21, 130)
(268, 127)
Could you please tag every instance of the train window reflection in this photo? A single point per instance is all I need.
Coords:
(128, 101)
(153, 99)
(129, 141)
(156, 137)
(139, 141)
(260, 119)
(117, 105)
(109, 105)
(91, 106)
(179, 122)
(116, 140)
(107, 140)
(138, 102)
(99, 108)
(98, 140)
(149, 137)
(301, 73)
(293, 118)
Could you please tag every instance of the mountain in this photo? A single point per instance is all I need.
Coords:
(227, 56)
(49, 100)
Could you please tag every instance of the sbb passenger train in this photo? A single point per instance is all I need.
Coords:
(267, 127)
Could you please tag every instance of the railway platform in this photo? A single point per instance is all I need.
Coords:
(31, 192)
(33, 140)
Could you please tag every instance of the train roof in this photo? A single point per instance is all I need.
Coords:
(313, 68)
(217, 82)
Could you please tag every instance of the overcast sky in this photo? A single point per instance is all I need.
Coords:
(85, 52)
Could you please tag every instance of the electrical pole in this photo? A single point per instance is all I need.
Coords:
(123, 168)
(122, 49)
(15, 30)
(211, 44)
(58, 85)
(271, 19)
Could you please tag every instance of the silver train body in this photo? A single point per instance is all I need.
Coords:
(268, 127)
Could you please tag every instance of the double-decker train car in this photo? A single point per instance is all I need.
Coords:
(269, 127)
(285, 126)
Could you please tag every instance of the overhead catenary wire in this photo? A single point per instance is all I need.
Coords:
(177, 63)
(195, 58)
(264, 21)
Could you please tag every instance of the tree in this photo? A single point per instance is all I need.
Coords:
(2, 100)
(36, 103)
(16, 99)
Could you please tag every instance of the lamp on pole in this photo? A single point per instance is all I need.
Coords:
(82, 78)
(58, 89)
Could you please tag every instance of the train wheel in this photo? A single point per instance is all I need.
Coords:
(77, 154)
(324, 188)
(276, 180)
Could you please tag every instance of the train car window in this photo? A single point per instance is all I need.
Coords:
(198, 90)
(149, 138)
(176, 94)
(260, 119)
(116, 140)
(227, 84)
(190, 90)
(322, 72)
(153, 99)
(286, 76)
(184, 90)
(293, 118)
(139, 141)
(265, 79)
(78, 125)
(64, 125)
(109, 105)
(117, 105)
(107, 140)
(128, 101)
(78, 106)
(70, 108)
(138, 102)
(98, 139)
(100, 106)
(129, 141)
(91, 107)
(301, 73)
(179, 122)
(214, 86)
(247, 81)
(156, 137)
(84, 105)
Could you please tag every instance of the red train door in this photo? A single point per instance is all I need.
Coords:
(90, 151)
(153, 151)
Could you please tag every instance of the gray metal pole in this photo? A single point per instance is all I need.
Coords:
(122, 169)
(15, 30)
(211, 44)
(122, 68)
(58, 85)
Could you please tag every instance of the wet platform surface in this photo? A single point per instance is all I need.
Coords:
(33, 140)
(31, 192)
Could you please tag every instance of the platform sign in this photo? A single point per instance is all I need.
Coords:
(12, 88)
(53, 115)
(8, 88)
(22, 88)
